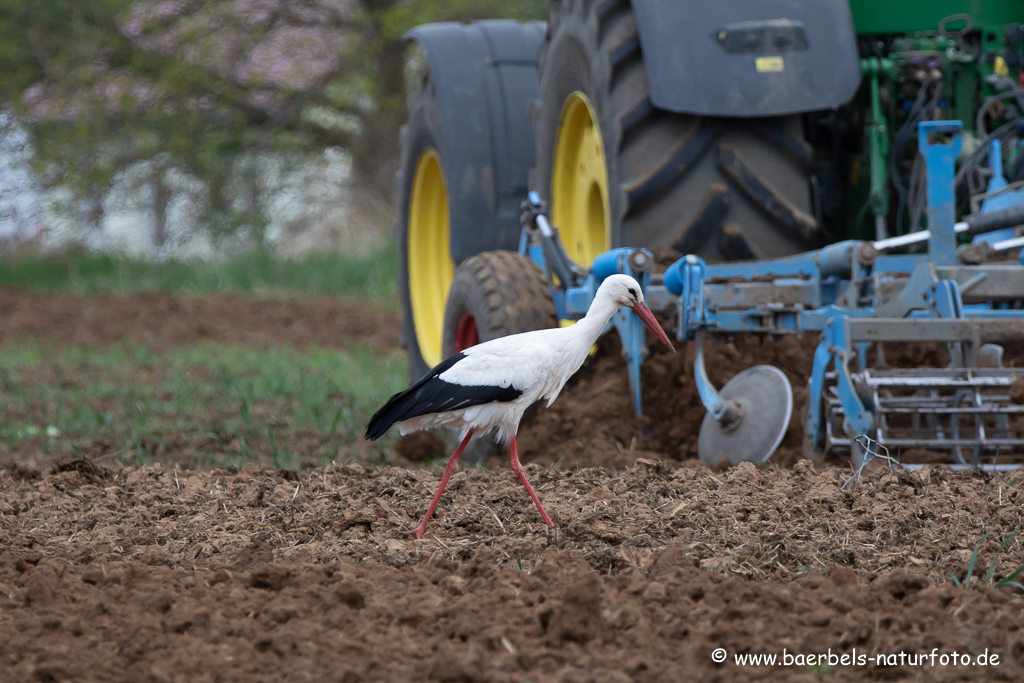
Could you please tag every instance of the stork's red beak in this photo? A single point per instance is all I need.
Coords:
(643, 311)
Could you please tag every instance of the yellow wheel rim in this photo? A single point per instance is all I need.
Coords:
(579, 182)
(430, 261)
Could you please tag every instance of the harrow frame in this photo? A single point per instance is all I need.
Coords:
(857, 297)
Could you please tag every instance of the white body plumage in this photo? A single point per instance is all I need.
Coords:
(536, 363)
(489, 386)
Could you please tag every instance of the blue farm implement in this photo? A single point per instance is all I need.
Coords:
(948, 288)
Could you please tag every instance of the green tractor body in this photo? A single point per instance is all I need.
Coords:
(731, 130)
(883, 17)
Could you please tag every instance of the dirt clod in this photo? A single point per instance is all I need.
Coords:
(419, 446)
(269, 577)
(1017, 391)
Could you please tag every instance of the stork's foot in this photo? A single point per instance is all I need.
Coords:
(518, 469)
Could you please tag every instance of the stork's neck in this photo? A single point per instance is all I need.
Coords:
(590, 327)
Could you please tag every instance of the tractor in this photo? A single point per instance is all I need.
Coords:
(746, 131)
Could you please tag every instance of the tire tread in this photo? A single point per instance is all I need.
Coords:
(657, 169)
(514, 296)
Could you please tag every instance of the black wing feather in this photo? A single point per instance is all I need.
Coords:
(431, 394)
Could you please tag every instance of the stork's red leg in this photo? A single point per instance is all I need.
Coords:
(453, 464)
(518, 469)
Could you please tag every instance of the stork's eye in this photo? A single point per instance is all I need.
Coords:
(632, 293)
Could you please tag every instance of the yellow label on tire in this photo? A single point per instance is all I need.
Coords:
(768, 64)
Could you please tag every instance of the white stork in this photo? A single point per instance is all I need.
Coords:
(490, 385)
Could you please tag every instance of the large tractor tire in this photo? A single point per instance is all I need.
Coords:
(466, 151)
(495, 294)
(620, 172)
(424, 255)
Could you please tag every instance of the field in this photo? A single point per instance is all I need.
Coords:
(185, 496)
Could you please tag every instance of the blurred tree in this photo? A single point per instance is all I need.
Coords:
(207, 86)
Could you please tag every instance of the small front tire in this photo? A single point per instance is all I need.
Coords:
(495, 294)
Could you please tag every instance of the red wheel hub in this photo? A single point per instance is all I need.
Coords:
(466, 334)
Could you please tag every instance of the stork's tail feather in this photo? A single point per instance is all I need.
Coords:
(398, 406)
(431, 394)
(390, 413)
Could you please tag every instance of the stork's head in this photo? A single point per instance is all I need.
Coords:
(625, 291)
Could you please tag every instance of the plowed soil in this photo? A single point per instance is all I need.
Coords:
(167, 320)
(164, 575)
(167, 574)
